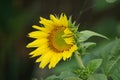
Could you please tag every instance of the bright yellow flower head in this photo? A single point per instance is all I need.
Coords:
(53, 41)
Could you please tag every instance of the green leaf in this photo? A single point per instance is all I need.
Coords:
(110, 53)
(53, 77)
(64, 75)
(111, 59)
(82, 47)
(89, 44)
(97, 77)
(72, 78)
(84, 35)
(83, 73)
(94, 64)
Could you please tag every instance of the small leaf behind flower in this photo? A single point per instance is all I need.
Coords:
(89, 44)
(94, 64)
(84, 35)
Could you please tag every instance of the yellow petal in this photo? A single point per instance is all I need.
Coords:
(67, 31)
(69, 40)
(52, 17)
(68, 54)
(63, 19)
(41, 57)
(47, 23)
(40, 50)
(45, 59)
(73, 48)
(37, 43)
(40, 28)
(37, 27)
(56, 57)
(38, 34)
(56, 21)
(68, 36)
(65, 53)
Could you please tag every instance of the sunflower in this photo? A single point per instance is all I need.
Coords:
(53, 41)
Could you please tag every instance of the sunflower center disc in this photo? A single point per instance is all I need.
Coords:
(56, 42)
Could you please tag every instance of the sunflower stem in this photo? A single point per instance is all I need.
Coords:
(79, 60)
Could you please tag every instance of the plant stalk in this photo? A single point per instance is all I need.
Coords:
(79, 60)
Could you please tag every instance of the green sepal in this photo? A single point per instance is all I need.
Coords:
(72, 25)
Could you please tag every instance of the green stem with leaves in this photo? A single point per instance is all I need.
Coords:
(79, 60)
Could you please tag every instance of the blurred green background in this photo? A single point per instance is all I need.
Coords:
(17, 17)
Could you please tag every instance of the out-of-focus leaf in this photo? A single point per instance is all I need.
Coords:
(53, 77)
(72, 78)
(110, 1)
(97, 77)
(110, 53)
(101, 5)
(111, 60)
(94, 64)
(68, 65)
(118, 29)
(64, 76)
(107, 26)
(89, 44)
